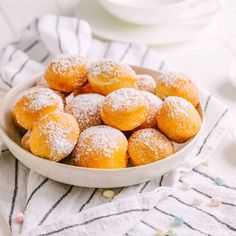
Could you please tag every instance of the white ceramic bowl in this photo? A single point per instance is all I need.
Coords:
(86, 177)
(145, 12)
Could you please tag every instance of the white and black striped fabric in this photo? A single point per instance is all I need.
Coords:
(52, 208)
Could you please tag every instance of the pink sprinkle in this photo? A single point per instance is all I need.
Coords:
(19, 218)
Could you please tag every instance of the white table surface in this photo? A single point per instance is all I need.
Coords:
(205, 58)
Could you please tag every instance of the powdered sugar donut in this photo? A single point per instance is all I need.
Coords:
(86, 109)
(177, 84)
(124, 109)
(67, 73)
(178, 119)
(145, 82)
(153, 103)
(35, 103)
(54, 136)
(101, 147)
(107, 75)
(148, 145)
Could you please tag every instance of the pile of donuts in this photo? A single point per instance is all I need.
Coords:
(105, 114)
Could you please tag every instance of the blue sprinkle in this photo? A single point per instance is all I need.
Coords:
(178, 221)
(219, 181)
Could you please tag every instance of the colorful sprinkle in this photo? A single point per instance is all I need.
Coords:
(172, 232)
(19, 218)
(219, 181)
(178, 221)
(161, 232)
(197, 201)
(215, 201)
(186, 185)
(205, 163)
(108, 194)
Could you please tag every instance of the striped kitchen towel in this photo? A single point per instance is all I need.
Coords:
(184, 197)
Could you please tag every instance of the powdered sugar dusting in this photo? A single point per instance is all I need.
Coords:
(101, 139)
(178, 106)
(86, 109)
(64, 63)
(110, 68)
(58, 138)
(153, 139)
(39, 98)
(156, 101)
(173, 79)
(153, 103)
(145, 82)
(125, 99)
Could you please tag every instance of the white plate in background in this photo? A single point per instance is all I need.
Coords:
(106, 26)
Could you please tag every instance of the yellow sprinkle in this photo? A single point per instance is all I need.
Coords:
(161, 232)
(206, 163)
(108, 194)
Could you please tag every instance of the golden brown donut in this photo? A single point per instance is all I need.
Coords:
(124, 109)
(35, 103)
(145, 82)
(101, 147)
(153, 103)
(86, 108)
(177, 84)
(83, 90)
(107, 75)
(67, 73)
(148, 145)
(178, 119)
(54, 136)
(25, 141)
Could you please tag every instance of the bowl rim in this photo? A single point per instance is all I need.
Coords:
(16, 146)
(145, 7)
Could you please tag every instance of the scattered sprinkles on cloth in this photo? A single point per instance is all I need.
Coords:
(161, 232)
(108, 194)
(19, 218)
(219, 181)
(215, 201)
(178, 221)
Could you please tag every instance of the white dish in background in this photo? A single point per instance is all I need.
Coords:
(145, 12)
(79, 176)
(188, 26)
